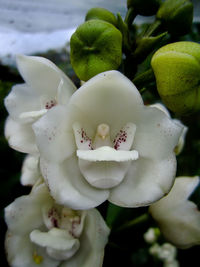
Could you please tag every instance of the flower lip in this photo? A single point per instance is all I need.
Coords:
(106, 153)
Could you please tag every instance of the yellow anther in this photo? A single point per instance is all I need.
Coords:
(37, 258)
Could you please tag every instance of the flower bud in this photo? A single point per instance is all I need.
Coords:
(96, 46)
(176, 16)
(177, 70)
(101, 14)
(144, 7)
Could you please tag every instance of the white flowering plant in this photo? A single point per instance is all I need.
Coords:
(108, 158)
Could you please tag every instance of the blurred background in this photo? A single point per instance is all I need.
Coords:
(44, 28)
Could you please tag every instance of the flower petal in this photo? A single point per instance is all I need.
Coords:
(181, 142)
(101, 100)
(20, 136)
(157, 135)
(43, 76)
(124, 139)
(21, 99)
(30, 170)
(179, 218)
(52, 137)
(105, 167)
(147, 180)
(92, 242)
(103, 174)
(68, 186)
(24, 214)
(81, 138)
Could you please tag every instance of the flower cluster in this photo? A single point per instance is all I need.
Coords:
(84, 147)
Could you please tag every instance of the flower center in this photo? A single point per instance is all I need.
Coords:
(122, 141)
(61, 238)
(36, 114)
(103, 131)
(102, 137)
(103, 162)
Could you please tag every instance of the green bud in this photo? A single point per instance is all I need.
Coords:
(177, 70)
(101, 14)
(144, 7)
(96, 46)
(176, 16)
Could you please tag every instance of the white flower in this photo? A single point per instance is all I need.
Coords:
(43, 233)
(165, 252)
(107, 145)
(179, 218)
(30, 170)
(45, 86)
(150, 236)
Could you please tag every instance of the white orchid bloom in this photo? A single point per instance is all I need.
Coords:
(30, 170)
(107, 145)
(43, 233)
(177, 217)
(45, 86)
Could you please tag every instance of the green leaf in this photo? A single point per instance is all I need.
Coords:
(113, 213)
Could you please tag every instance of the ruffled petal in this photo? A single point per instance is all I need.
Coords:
(147, 180)
(30, 170)
(68, 186)
(43, 76)
(54, 142)
(106, 153)
(92, 242)
(20, 136)
(21, 99)
(179, 218)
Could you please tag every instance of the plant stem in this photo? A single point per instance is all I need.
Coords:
(153, 28)
(142, 79)
(130, 16)
(141, 219)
